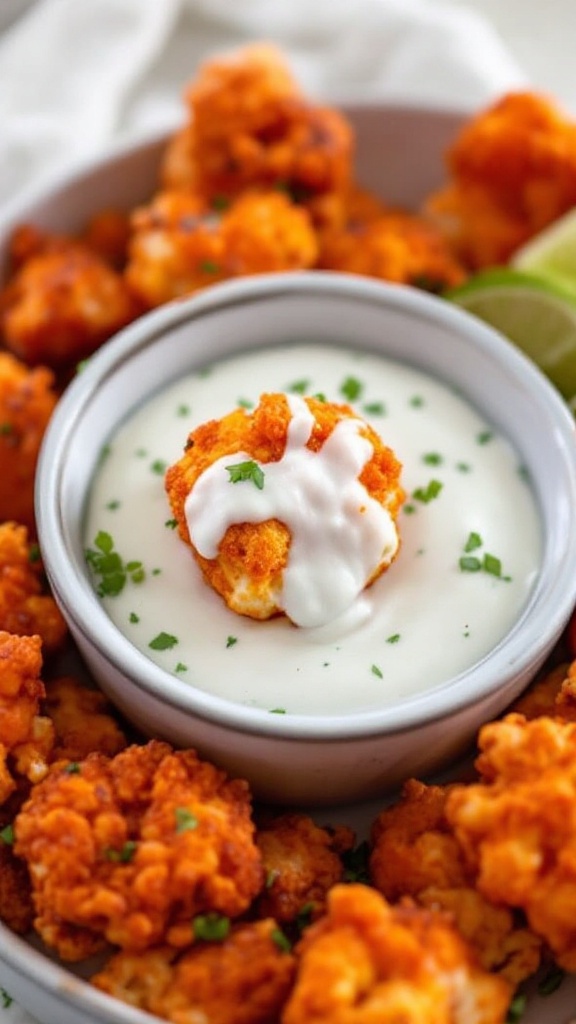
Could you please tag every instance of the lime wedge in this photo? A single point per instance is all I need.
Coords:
(537, 314)
(552, 252)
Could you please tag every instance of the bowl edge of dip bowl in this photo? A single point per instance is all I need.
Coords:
(304, 758)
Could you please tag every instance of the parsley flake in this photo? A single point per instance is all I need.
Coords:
(432, 459)
(185, 820)
(171, 524)
(34, 553)
(374, 409)
(416, 401)
(551, 981)
(231, 640)
(245, 403)
(163, 642)
(474, 541)
(377, 671)
(124, 855)
(133, 617)
(299, 387)
(351, 388)
(113, 505)
(492, 565)
(209, 267)
(108, 564)
(469, 563)
(7, 835)
(181, 667)
(248, 470)
(428, 493)
(211, 927)
(7, 999)
(72, 768)
(393, 639)
(484, 437)
(281, 940)
(183, 410)
(158, 467)
(516, 1008)
(277, 711)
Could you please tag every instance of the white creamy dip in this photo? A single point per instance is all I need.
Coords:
(339, 535)
(470, 541)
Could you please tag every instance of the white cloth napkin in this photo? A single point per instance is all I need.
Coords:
(79, 75)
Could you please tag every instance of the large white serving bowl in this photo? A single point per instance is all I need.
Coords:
(300, 758)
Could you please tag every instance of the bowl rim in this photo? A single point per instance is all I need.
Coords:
(547, 610)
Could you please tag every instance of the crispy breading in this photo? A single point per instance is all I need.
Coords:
(25, 607)
(244, 979)
(517, 827)
(16, 908)
(107, 233)
(129, 849)
(393, 246)
(553, 694)
(301, 864)
(83, 720)
(62, 303)
(250, 126)
(415, 853)
(27, 400)
(180, 245)
(512, 171)
(247, 571)
(368, 961)
(26, 738)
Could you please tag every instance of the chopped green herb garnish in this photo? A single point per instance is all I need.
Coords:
(6, 429)
(171, 524)
(113, 505)
(356, 863)
(183, 410)
(245, 403)
(72, 768)
(277, 711)
(163, 642)
(374, 409)
(281, 940)
(219, 203)
(484, 437)
(124, 855)
(377, 671)
(351, 388)
(231, 640)
(303, 918)
(248, 470)
(106, 563)
(551, 981)
(299, 387)
(271, 875)
(319, 396)
(469, 563)
(428, 493)
(416, 401)
(393, 639)
(524, 474)
(141, 453)
(492, 565)
(211, 927)
(158, 467)
(209, 267)
(474, 541)
(181, 667)
(185, 820)
(7, 835)
(34, 553)
(463, 467)
(409, 509)
(156, 572)
(7, 999)
(80, 366)
(432, 459)
(133, 617)
(516, 1008)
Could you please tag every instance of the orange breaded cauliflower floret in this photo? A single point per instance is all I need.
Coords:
(62, 302)
(252, 556)
(251, 127)
(393, 246)
(27, 400)
(366, 961)
(26, 737)
(130, 849)
(301, 864)
(512, 172)
(180, 245)
(415, 853)
(243, 979)
(517, 827)
(25, 609)
(83, 721)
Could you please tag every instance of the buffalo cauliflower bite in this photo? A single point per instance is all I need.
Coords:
(26, 738)
(301, 864)
(252, 556)
(512, 172)
(243, 979)
(130, 849)
(83, 721)
(393, 246)
(368, 961)
(62, 303)
(415, 853)
(27, 400)
(25, 609)
(180, 245)
(517, 827)
(251, 127)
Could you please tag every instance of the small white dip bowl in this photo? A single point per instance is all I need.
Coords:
(299, 758)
